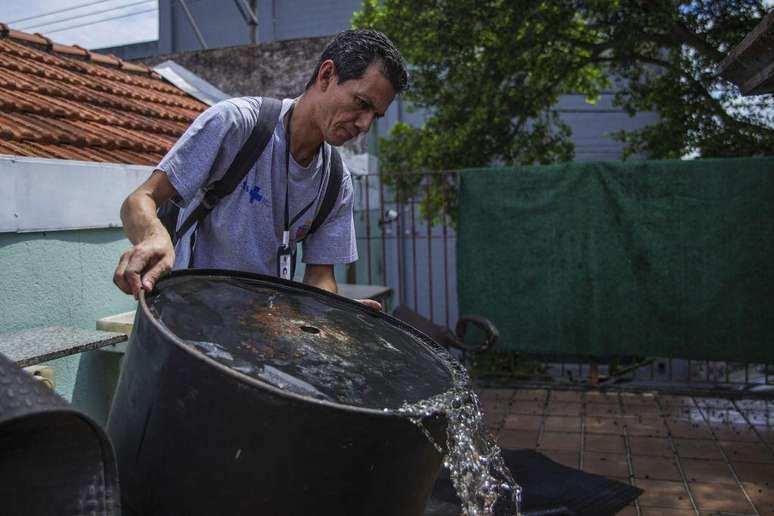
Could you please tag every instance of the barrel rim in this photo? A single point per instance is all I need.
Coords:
(424, 339)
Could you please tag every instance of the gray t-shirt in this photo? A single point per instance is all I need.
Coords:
(244, 230)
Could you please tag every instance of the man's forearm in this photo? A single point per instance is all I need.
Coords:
(138, 214)
(321, 276)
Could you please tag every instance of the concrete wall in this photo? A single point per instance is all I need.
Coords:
(65, 278)
(59, 244)
(279, 69)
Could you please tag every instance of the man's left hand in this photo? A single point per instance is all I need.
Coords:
(370, 303)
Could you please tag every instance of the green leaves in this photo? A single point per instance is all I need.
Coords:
(489, 72)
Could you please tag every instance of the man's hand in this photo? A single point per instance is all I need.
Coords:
(142, 265)
(321, 276)
(152, 253)
(370, 303)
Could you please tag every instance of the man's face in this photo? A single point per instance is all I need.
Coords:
(348, 109)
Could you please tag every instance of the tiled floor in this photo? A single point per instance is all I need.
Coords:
(692, 455)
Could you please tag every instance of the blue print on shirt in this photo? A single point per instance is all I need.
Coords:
(255, 192)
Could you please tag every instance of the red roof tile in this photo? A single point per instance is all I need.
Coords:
(64, 102)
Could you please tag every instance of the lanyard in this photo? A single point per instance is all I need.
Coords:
(284, 265)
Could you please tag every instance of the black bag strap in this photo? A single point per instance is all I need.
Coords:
(331, 192)
(243, 162)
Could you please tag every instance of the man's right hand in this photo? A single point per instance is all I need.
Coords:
(152, 254)
(143, 264)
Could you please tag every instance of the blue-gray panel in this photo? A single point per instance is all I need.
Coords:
(219, 22)
(222, 24)
(311, 18)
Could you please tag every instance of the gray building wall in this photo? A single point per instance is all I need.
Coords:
(222, 25)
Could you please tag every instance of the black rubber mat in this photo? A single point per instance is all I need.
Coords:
(548, 488)
(54, 460)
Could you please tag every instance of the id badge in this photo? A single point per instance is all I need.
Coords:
(284, 263)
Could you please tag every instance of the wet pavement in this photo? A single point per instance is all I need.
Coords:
(693, 455)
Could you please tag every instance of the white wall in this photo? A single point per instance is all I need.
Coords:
(56, 195)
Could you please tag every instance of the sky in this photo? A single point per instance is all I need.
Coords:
(86, 23)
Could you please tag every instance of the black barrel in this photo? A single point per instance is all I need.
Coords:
(194, 436)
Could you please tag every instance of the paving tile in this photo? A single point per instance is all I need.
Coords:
(522, 422)
(604, 425)
(602, 409)
(530, 395)
(601, 397)
(732, 432)
(689, 429)
(606, 464)
(761, 405)
(650, 446)
(713, 471)
(494, 421)
(762, 497)
(642, 398)
(713, 415)
(571, 396)
(758, 473)
(527, 407)
(504, 395)
(517, 439)
(663, 494)
(680, 412)
(493, 406)
(628, 511)
(698, 449)
(604, 443)
(495, 410)
(718, 403)
(655, 468)
(562, 424)
(711, 497)
(661, 511)
(766, 433)
(676, 401)
(562, 408)
(647, 426)
(571, 459)
(642, 410)
(559, 441)
(747, 452)
(760, 418)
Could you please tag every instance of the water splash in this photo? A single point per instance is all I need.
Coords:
(482, 480)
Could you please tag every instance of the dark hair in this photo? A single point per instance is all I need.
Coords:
(352, 51)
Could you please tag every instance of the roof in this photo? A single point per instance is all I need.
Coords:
(64, 102)
(750, 64)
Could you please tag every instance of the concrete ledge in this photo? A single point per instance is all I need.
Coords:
(36, 345)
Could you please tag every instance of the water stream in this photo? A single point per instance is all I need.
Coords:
(483, 482)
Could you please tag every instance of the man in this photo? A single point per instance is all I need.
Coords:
(355, 80)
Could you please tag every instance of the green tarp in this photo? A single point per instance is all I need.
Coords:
(649, 258)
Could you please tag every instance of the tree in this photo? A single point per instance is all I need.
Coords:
(489, 72)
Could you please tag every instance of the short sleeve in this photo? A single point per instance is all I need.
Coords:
(189, 162)
(334, 241)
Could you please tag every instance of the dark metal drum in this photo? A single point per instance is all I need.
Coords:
(247, 395)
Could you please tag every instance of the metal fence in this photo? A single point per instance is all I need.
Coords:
(401, 247)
